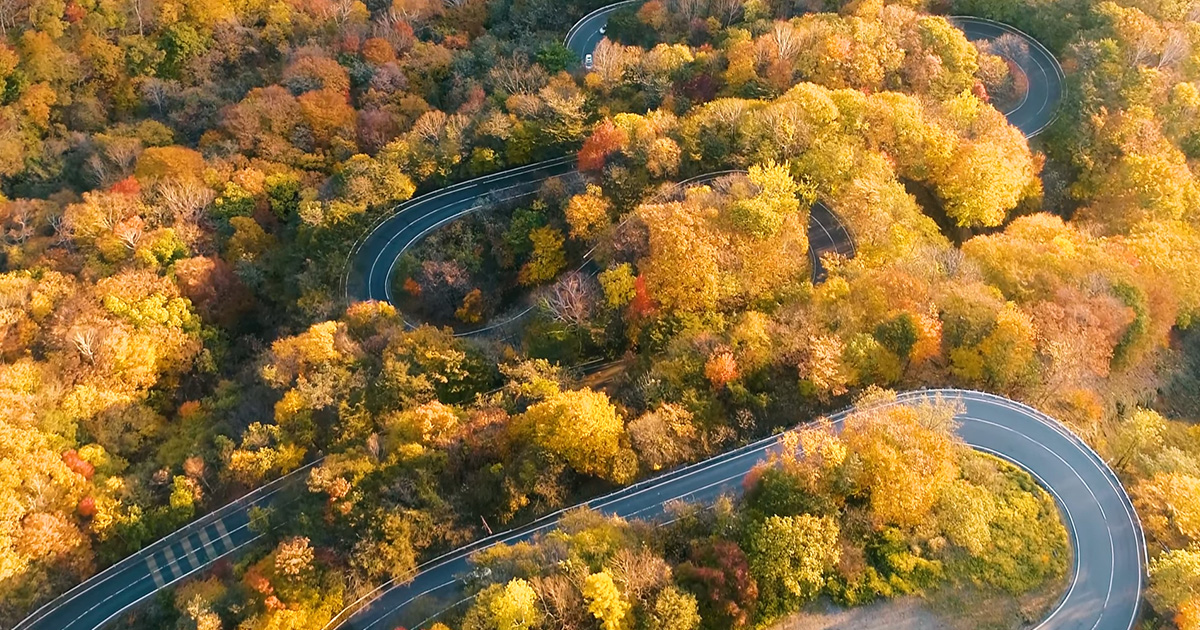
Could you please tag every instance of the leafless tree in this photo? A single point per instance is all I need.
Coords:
(688, 9)
(339, 12)
(62, 229)
(728, 10)
(129, 233)
(515, 75)
(158, 91)
(571, 300)
(414, 11)
(1011, 47)
(640, 573)
(86, 341)
(114, 160)
(430, 126)
(788, 40)
(10, 12)
(1176, 47)
(1145, 43)
(610, 60)
(561, 601)
(101, 170)
(184, 199)
(123, 153)
(19, 219)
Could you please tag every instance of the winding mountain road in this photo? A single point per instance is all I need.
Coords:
(1110, 553)
(1038, 107)
(373, 261)
(1106, 581)
(1032, 114)
(583, 37)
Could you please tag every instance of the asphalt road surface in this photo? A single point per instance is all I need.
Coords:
(1106, 579)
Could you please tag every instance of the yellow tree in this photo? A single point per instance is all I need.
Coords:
(513, 606)
(547, 259)
(664, 437)
(587, 213)
(605, 601)
(1135, 173)
(965, 512)
(1172, 250)
(1169, 505)
(1175, 581)
(173, 162)
(619, 285)
(584, 428)
(905, 465)
(682, 271)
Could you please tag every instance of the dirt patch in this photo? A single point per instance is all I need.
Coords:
(949, 608)
(970, 608)
(906, 613)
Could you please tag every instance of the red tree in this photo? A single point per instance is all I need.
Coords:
(606, 139)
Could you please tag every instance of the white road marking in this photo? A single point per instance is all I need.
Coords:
(172, 561)
(154, 571)
(206, 543)
(223, 533)
(407, 601)
(189, 552)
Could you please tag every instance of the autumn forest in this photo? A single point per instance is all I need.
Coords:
(184, 186)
